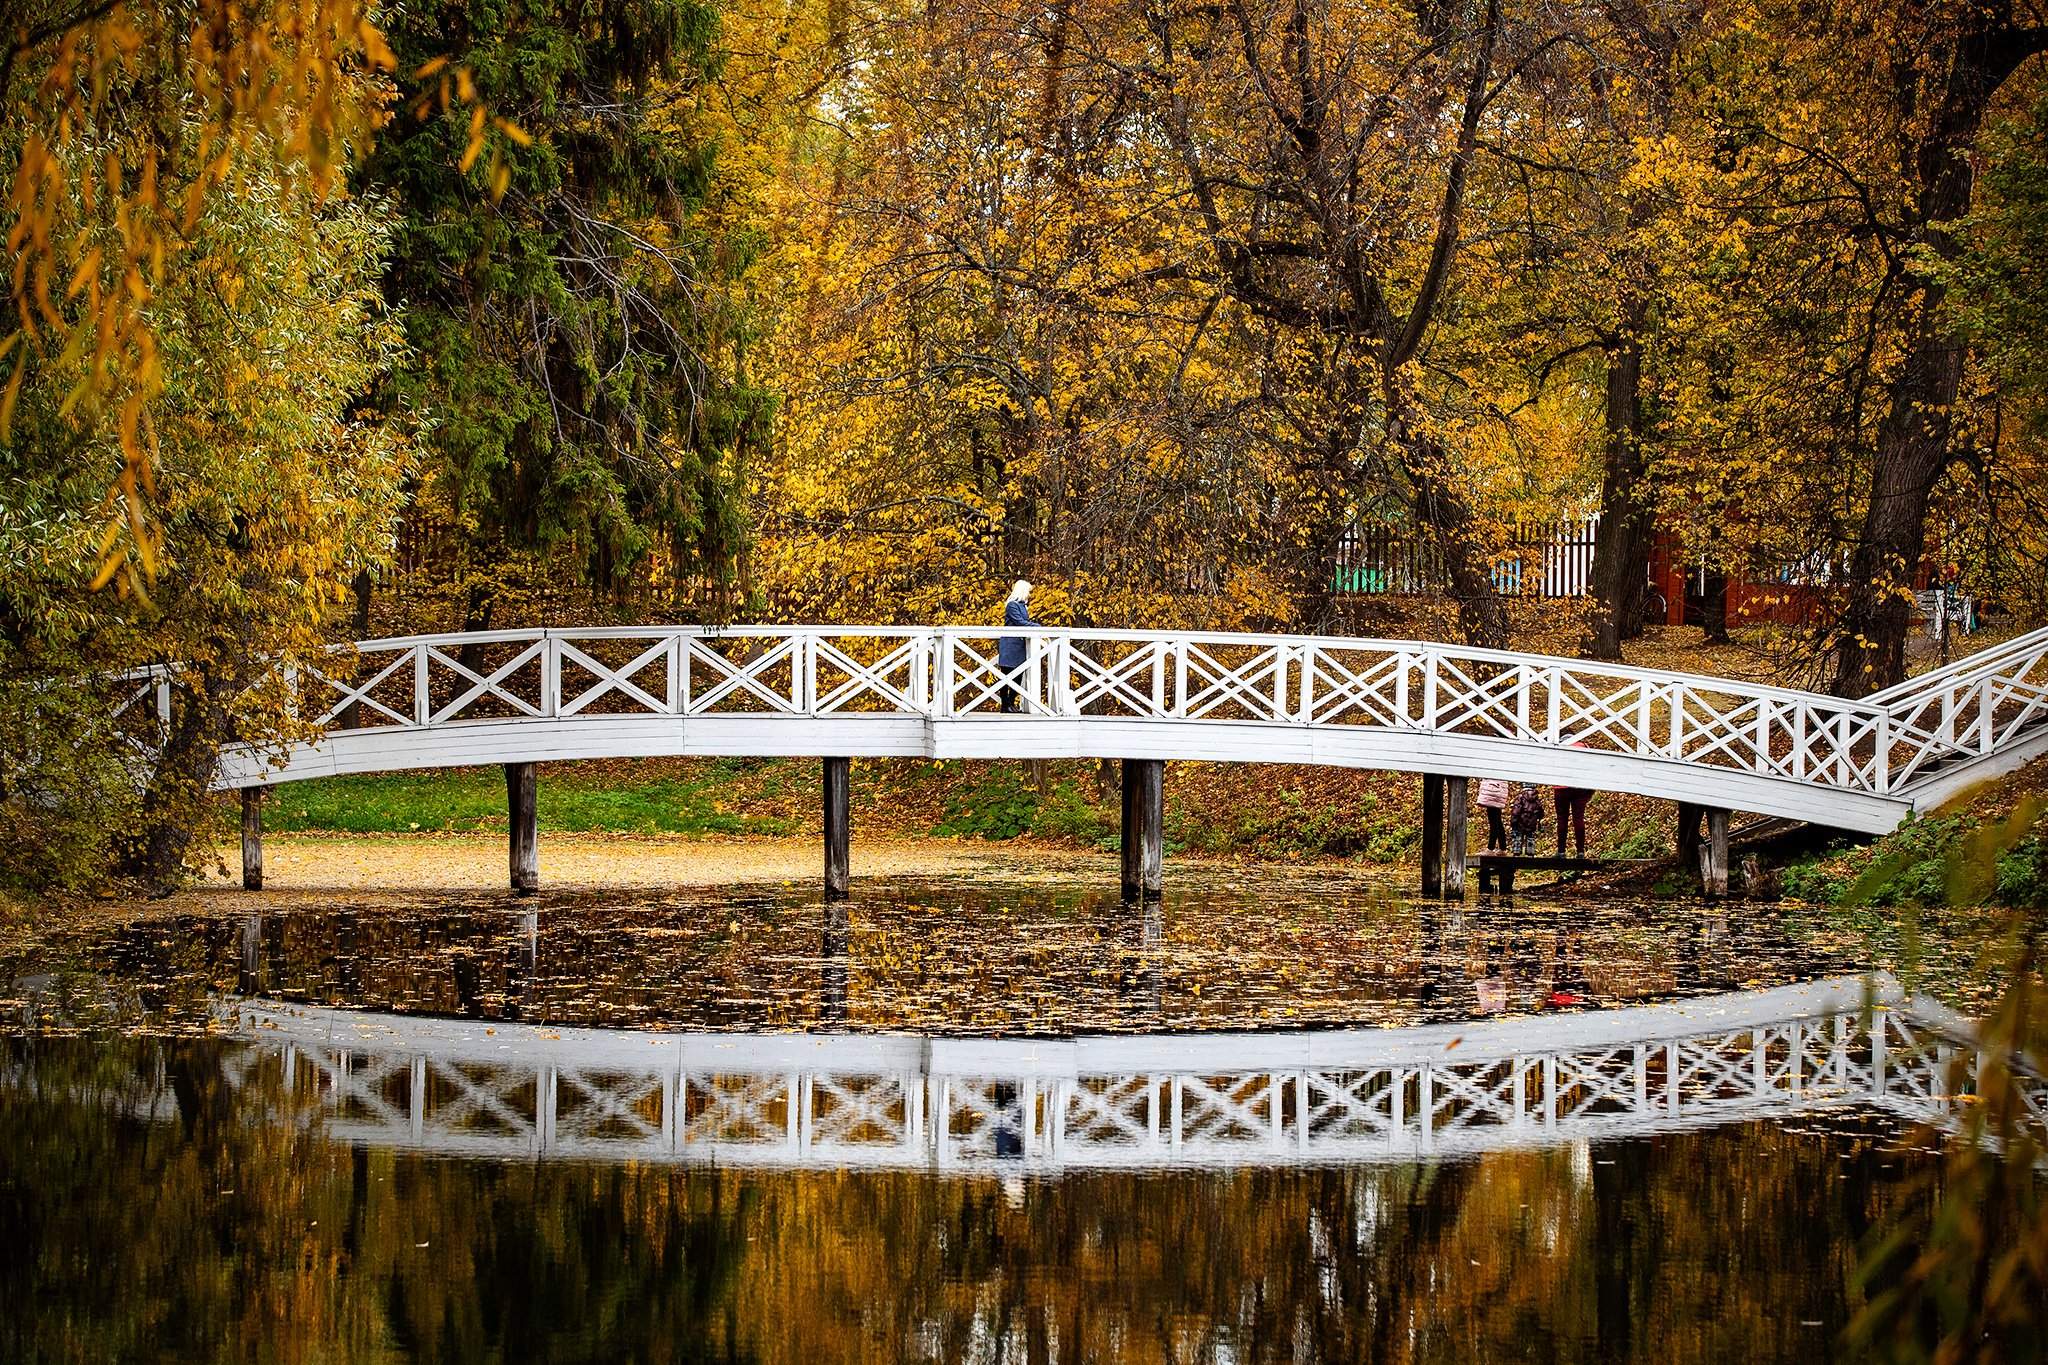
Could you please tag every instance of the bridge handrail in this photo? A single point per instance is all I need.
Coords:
(1969, 709)
(1634, 672)
(941, 673)
(1993, 659)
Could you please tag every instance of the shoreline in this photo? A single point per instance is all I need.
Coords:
(399, 871)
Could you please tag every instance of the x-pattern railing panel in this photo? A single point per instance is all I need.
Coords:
(973, 678)
(1482, 1095)
(1595, 713)
(1480, 700)
(856, 1111)
(1256, 688)
(1227, 1109)
(1122, 684)
(363, 695)
(1596, 1083)
(490, 1101)
(1365, 1103)
(844, 683)
(610, 1107)
(983, 1116)
(1378, 688)
(482, 685)
(621, 683)
(744, 680)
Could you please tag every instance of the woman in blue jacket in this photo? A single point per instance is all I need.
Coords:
(1010, 648)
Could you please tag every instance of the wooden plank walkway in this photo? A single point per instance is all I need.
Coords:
(1501, 867)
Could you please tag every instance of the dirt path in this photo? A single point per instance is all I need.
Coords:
(323, 864)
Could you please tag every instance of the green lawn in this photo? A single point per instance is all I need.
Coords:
(474, 799)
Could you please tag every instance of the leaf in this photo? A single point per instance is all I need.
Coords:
(109, 566)
(87, 268)
(7, 400)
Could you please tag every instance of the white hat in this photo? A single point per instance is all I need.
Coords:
(1021, 588)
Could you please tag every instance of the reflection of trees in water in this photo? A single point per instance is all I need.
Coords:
(242, 1238)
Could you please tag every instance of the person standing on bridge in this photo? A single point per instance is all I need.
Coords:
(1010, 648)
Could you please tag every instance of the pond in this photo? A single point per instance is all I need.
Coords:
(1275, 1117)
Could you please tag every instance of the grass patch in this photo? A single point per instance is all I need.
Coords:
(469, 799)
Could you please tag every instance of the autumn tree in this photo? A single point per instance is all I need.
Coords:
(272, 487)
(576, 340)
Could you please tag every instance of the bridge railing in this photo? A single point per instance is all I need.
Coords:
(1968, 709)
(955, 672)
(1878, 745)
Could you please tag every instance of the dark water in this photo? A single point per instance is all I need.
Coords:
(550, 1134)
(932, 956)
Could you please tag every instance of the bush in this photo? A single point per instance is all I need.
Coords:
(997, 806)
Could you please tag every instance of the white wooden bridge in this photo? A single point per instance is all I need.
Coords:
(517, 1091)
(836, 692)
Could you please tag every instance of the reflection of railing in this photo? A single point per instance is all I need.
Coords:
(1137, 1100)
(448, 698)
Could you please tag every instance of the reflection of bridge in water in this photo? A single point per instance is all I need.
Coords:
(1046, 1105)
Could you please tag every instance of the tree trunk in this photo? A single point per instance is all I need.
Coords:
(476, 615)
(359, 626)
(1714, 608)
(173, 803)
(1913, 439)
(1441, 510)
(1621, 545)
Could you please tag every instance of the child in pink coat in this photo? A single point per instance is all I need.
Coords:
(1494, 795)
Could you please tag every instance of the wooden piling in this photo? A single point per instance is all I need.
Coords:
(252, 838)
(1432, 835)
(250, 979)
(521, 807)
(1455, 810)
(1714, 854)
(1144, 827)
(1689, 841)
(838, 828)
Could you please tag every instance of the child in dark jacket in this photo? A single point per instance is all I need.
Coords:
(1525, 819)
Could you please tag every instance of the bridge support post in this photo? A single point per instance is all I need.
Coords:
(1689, 836)
(1706, 857)
(1432, 835)
(252, 838)
(1455, 810)
(838, 828)
(1714, 856)
(521, 805)
(1144, 827)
